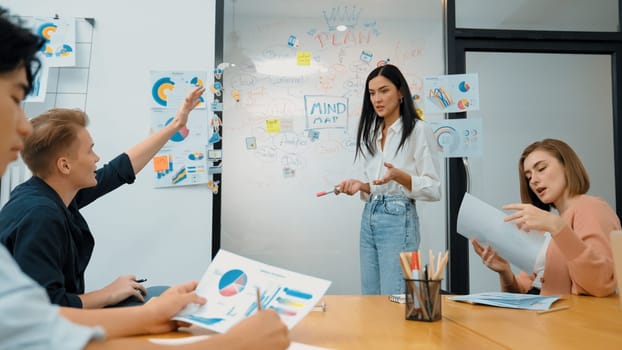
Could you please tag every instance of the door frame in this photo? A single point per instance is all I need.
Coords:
(462, 40)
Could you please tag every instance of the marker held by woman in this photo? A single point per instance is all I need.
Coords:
(323, 193)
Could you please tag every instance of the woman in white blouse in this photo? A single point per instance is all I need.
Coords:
(401, 164)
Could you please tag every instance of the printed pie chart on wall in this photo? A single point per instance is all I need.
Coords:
(179, 135)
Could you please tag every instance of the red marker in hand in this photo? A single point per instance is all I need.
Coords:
(323, 193)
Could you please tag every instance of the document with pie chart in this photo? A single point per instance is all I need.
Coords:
(182, 160)
(458, 137)
(451, 93)
(230, 286)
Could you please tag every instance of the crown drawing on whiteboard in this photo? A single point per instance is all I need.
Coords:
(342, 15)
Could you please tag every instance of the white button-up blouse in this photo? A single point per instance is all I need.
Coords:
(419, 156)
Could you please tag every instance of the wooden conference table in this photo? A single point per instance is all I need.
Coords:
(373, 322)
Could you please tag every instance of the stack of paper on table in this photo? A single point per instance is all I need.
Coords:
(509, 300)
(398, 298)
(230, 286)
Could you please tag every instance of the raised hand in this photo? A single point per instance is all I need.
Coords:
(191, 101)
(143, 151)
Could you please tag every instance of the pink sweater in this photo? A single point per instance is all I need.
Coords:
(579, 258)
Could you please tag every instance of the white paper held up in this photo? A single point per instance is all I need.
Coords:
(483, 222)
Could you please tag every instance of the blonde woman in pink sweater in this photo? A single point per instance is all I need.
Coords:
(578, 258)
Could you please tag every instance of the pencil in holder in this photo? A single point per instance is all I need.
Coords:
(423, 300)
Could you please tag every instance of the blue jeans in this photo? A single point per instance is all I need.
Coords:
(389, 225)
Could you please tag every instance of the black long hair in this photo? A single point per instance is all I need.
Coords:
(370, 124)
(18, 47)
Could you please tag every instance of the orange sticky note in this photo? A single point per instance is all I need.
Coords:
(160, 163)
(303, 58)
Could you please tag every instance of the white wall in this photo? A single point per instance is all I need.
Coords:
(160, 234)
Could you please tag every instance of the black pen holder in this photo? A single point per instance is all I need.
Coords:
(423, 300)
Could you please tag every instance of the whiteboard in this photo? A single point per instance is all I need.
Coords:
(273, 166)
(163, 235)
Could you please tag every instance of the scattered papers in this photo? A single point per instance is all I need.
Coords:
(197, 338)
(483, 222)
(398, 298)
(178, 341)
(509, 300)
(230, 286)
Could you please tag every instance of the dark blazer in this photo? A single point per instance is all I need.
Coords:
(50, 242)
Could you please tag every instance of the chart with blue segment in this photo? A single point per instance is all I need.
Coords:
(184, 151)
(232, 283)
(234, 287)
(285, 301)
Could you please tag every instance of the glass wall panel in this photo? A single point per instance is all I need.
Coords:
(526, 97)
(562, 15)
(291, 108)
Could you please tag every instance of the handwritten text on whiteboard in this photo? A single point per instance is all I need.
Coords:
(322, 112)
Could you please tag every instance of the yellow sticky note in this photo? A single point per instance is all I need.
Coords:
(420, 113)
(303, 58)
(160, 163)
(273, 125)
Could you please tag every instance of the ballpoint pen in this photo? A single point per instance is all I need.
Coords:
(258, 300)
(140, 280)
(553, 309)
